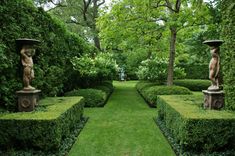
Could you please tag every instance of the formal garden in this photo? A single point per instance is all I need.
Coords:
(117, 78)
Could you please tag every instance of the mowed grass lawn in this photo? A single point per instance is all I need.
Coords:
(124, 127)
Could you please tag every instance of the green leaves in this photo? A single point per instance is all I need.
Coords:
(128, 26)
(228, 52)
(99, 67)
(20, 19)
(155, 69)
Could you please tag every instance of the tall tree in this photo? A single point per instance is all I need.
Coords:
(129, 26)
(178, 15)
(79, 16)
(90, 11)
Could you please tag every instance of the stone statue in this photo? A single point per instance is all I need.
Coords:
(214, 68)
(27, 52)
(28, 97)
(213, 96)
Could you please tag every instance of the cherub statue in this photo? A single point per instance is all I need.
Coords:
(27, 52)
(214, 68)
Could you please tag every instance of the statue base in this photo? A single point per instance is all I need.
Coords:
(27, 100)
(213, 99)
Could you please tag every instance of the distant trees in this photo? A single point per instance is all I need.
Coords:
(79, 15)
(151, 25)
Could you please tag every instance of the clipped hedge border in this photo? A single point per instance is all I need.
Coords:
(93, 97)
(195, 129)
(43, 129)
(150, 91)
(107, 87)
(193, 84)
(96, 96)
(141, 85)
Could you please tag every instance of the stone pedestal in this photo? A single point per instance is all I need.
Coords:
(27, 100)
(213, 99)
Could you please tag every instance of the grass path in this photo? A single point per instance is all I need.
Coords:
(124, 127)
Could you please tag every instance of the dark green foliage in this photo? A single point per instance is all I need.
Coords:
(53, 70)
(150, 91)
(43, 129)
(93, 97)
(193, 84)
(150, 94)
(228, 52)
(144, 84)
(64, 148)
(194, 128)
(195, 70)
(106, 86)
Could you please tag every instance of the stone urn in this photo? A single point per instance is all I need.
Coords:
(28, 97)
(213, 96)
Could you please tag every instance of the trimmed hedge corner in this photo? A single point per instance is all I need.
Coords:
(96, 96)
(42, 129)
(140, 86)
(194, 128)
(106, 86)
(149, 91)
(93, 97)
(193, 84)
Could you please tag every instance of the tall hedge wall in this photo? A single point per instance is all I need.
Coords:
(195, 71)
(53, 70)
(228, 52)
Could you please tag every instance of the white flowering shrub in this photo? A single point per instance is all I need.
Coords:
(155, 69)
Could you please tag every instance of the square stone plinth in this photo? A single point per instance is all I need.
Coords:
(213, 99)
(27, 100)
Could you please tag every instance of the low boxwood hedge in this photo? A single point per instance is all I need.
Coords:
(195, 129)
(144, 84)
(193, 84)
(106, 86)
(42, 129)
(93, 97)
(150, 91)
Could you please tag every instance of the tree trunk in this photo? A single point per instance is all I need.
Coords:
(97, 41)
(95, 30)
(172, 57)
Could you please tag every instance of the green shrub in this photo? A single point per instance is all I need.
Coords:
(155, 69)
(53, 70)
(150, 94)
(141, 85)
(105, 89)
(43, 129)
(195, 70)
(196, 129)
(193, 84)
(108, 84)
(228, 51)
(93, 97)
(92, 69)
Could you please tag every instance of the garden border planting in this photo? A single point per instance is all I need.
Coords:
(150, 91)
(96, 96)
(42, 129)
(193, 84)
(194, 128)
